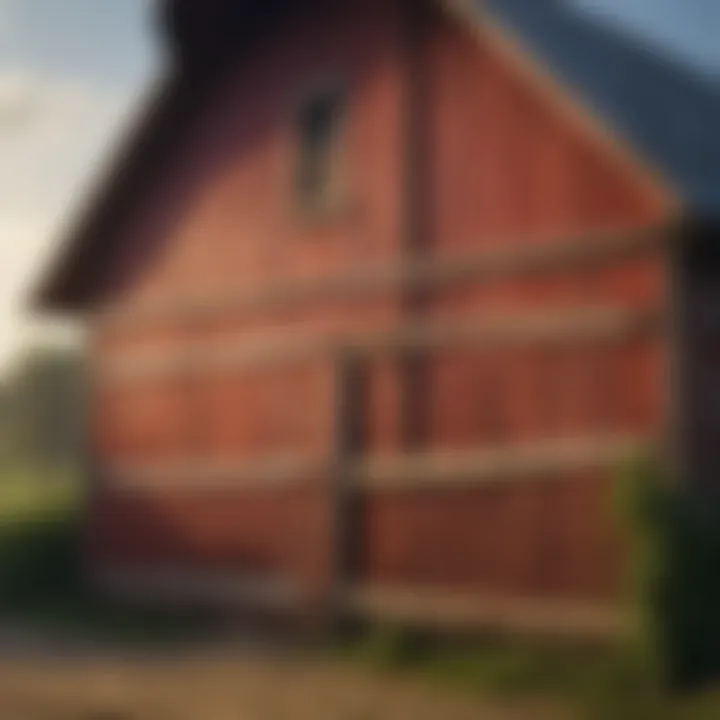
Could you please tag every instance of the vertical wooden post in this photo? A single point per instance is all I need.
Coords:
(348, 445)
(681, 348)
(417, 130)
(338, 479)
(417, 232)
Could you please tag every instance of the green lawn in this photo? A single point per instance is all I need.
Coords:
(601, 683)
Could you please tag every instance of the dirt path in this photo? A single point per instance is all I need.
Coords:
(85, 687)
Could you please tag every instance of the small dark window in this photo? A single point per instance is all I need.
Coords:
(319, 125)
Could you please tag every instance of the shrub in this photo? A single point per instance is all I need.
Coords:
(675, 541)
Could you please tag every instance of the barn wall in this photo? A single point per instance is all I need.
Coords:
(222, 217)
(508, 168)
(509, 161)
(504, 170)
(223, 211)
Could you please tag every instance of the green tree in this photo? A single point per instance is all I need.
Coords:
(42, 409)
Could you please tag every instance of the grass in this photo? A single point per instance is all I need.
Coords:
(599, 683)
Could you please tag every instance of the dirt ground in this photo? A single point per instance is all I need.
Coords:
(95, 686)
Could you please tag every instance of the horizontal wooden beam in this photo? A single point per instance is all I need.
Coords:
(504, 258)
(536, 462)
(429, 608)
(578, 324)
(512, 463)
(182, 586)
(271, 473)
(463, 609)
(582, 324)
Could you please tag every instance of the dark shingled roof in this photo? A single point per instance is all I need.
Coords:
(668, 114)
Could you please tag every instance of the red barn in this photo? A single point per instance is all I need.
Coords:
(380, 293)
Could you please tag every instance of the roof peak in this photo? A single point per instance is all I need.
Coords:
(661, 108)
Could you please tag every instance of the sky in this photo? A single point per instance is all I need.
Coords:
(72, 73)
(687, 29)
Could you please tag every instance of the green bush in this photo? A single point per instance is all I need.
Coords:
(41, 580)
(393, 646)
(675, 540)
(39, 539)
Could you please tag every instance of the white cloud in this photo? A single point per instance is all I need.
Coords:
(51, 129)
(54, 134)
(18, 98)
(23, 242)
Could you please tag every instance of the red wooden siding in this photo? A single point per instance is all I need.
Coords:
(552, 538)
(504, 168)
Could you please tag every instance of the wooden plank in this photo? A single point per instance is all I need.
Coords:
(508, 463)
(464, 610)
(183, 586)
(580, 324)
(506, 257)
(577, 324)
(271, 473)
(347, 444)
